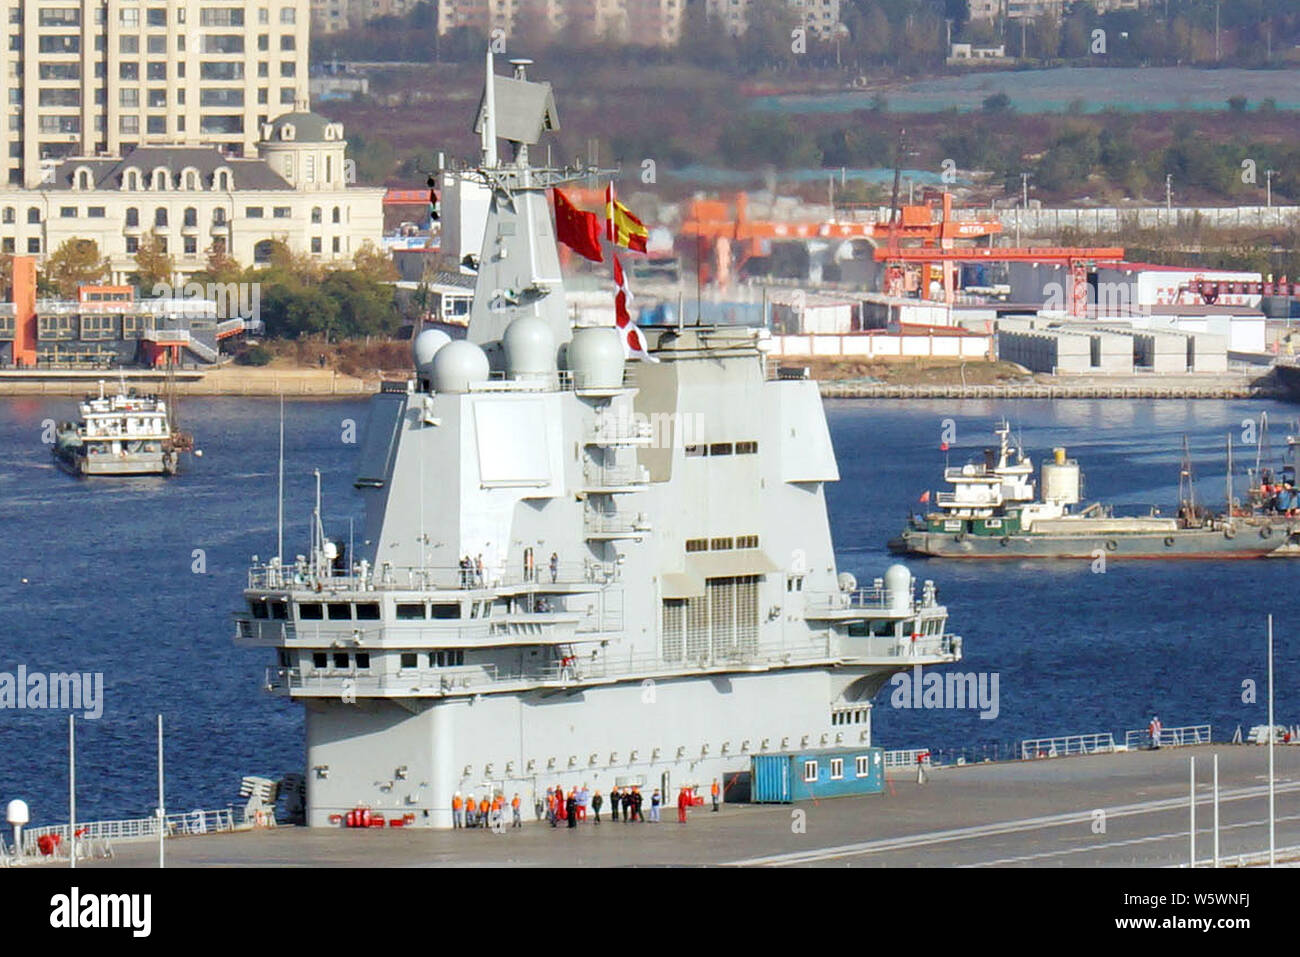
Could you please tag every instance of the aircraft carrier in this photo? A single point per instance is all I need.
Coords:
(575, 569)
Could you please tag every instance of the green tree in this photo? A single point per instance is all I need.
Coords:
(75, 263)
(374, 264)
(153, 267)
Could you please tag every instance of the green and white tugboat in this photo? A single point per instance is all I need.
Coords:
(121, 434)
(994, 511)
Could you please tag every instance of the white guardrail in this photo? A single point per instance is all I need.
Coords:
(1169, 737)
(1099, 743)
(906, 760)
(130, 829)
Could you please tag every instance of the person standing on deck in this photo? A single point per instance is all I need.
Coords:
(555, 566)
(714, 792)
(1155, 729)
(596, 802)
(614, 799)
(457, 818)
(682, 801)
(516, 820)
(571, 808)
(656, 799)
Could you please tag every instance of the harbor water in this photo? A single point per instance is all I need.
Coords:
(136, 579)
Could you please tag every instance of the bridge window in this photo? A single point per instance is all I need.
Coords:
(319, 659)
(445, 611)
(368, 611)
(340, 611)
(340, 659)
(410, 659)
(448, 658)
(363, 659)
(258, 608)
(279, 610)
(411, 611)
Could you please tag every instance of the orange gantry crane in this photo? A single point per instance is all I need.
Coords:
(734, 238)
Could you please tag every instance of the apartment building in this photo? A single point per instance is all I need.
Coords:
(195, 199)
(84, 77)
(330, 16)
(822, 17)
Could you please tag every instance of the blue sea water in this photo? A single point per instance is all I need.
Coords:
(114, 584)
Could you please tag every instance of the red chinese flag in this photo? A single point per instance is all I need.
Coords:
(578, 230)
(925, 496)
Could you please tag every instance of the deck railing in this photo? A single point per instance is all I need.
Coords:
(1169, 737)
(295, 576)
(131, 829)
(1099, 743)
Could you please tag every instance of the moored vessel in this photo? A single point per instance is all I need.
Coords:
(994, 511)
(123, 433)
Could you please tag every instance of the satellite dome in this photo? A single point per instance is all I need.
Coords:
(459, 365)
(425, 345)
(847, 582)
(898, 587)
(529, 348)
(595, 356)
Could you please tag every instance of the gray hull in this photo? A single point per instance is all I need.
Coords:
(132, 463)
(1247, 542)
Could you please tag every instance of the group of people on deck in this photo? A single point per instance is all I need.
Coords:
(485, 812)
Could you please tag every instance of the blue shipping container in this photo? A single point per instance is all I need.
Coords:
(821, 773)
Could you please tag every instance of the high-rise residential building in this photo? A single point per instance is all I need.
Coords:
(87, 77)
(330, 16)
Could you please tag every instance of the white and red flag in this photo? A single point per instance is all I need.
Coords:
(634, 344)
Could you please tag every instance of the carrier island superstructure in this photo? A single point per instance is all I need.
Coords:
(575, 568)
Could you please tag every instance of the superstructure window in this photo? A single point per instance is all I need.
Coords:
(862, 765)
(695, 450)
(410, 611)
(340, 611)
(697, 544)
(837, 768)
(720, 544)
(258, 608)
(445, 611)
(410, 659)
(319, 659)
(747, 541)
(746, 448)
(279, 610)
(368, 611)
(310, 611)
(340, 659)
(720, 448)
(363, 659)
(810, 771)
(448, 658)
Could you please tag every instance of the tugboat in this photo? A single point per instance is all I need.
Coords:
(995, 512)
(121, 434)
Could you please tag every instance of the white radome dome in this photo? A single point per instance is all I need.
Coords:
(529, 347)
(458, 365)
(426, 345)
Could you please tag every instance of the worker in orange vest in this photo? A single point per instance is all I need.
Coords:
(456, 804)
(515, 819)
(714, 792)
(682, 801)
(498, 803)
(484, 807)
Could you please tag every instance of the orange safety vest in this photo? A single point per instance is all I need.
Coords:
(715, 788)
(483, 806)
(496, 804)
(456, 803)
(514, 802)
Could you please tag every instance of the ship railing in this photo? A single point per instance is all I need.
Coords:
(572, 668)
(907, 759)
(1102, 742)
(616, 522)
(616, 476)
(1169, 737)
(429, 577)
(132, 829)
(868, 599)
(994, 497)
